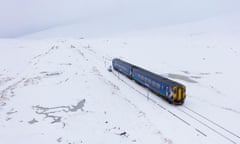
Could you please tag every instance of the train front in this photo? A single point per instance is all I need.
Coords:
(179, 94)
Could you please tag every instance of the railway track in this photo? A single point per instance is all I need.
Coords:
(211, 121)
(200, 123)
(191, 118)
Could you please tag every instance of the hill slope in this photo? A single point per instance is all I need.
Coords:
(59, 90)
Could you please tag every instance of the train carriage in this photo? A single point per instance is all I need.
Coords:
(123, 67)
(166, 88)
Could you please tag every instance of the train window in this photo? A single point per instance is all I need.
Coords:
(158, 85)
(154, 83)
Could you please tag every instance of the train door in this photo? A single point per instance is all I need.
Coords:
(131, 72)
(179, 93)
(167, 91)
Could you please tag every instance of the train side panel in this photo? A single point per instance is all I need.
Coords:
(153, 84)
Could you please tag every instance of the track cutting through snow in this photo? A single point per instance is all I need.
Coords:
(204, 117)
(204, 121)
(200, 123)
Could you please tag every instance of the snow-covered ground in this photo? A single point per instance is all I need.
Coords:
(55, 87)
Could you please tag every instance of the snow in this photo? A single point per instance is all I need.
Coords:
(56, 88)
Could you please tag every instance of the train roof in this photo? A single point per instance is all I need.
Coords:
(154, 75)
(117, 59)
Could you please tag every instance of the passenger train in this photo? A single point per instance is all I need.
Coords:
(172, 91)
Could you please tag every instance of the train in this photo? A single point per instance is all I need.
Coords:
(172, 91)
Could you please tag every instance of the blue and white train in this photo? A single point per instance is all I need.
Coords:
(170, 90)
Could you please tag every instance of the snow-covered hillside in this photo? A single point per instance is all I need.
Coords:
(104, 17)
(57, 89)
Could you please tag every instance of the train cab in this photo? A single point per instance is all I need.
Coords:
(179, 94)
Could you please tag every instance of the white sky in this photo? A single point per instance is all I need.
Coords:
(19, 17)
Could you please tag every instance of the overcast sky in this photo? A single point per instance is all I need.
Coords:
(18, 17)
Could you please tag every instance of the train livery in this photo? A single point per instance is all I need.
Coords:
(170, 90)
